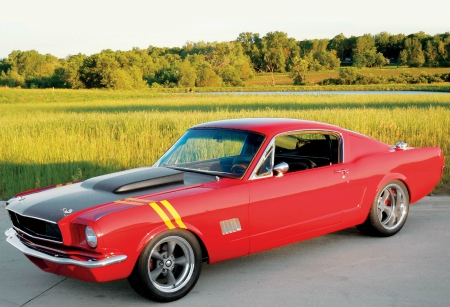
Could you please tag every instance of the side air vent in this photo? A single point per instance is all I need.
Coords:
(230, 226)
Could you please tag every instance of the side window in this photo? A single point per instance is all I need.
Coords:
(307, 150)
(266, 167)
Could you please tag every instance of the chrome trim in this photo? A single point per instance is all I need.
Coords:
(401, 145)
(269, 147)
(38, 238)
(90, 264)
(230, 226)
(254, 176)
(281, 169)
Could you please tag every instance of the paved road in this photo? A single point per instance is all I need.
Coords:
(345, 268)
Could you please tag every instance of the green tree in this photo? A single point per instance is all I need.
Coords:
(383, 42)
(414, 52)
(316, 52)
(431, 53)
(4, 65)
(58, 79)
(231, 76)
(252, 46)
(275, 52)
(437, 50)
(365, 52)
(328, 60)
(27, 63)
(35, 68)
(298, 70)
(396, 45)
(117, 79)
(380, 60)
(71, 74)
(12, 78)
(96, 67)
(188, 74)
(403, 58)
(338, 43)
(206, 77)
(364, 43)
(114, 70)
(228, 59)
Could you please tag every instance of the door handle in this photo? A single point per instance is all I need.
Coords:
(342, 171)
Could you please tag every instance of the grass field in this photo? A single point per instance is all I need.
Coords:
(49, 137)
(316, 77)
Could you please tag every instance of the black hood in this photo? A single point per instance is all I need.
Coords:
(52, 205)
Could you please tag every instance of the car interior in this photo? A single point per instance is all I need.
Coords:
(306, 150)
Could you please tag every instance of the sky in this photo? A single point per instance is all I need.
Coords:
(63, 28)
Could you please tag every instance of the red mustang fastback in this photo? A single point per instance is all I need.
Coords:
(225, 189)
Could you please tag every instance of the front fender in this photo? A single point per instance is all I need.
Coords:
(162, 228)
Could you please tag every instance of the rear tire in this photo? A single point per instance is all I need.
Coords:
(168, 267)
(388, 212)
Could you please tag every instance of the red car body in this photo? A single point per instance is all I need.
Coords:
(229, 217)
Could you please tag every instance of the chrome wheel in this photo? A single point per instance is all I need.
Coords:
(392, 206)
(170, 264)
(168, 267)
(388, 212)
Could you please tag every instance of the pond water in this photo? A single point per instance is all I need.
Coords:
(328, 93)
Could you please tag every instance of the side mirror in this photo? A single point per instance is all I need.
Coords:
(281, 169)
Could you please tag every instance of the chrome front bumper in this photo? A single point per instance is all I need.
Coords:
(12, 239)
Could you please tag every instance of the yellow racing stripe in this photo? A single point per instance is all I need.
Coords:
(146, 201)
(127, 202)
(163, 215)
(174, 213)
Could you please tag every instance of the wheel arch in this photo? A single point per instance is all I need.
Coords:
(162, 228)
(368, 200)
(380, 225)
(391, 177)
(205, 254)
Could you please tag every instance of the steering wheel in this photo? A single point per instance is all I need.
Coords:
(307, 163)
(238, 169)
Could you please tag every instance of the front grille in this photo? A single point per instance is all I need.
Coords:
(35, 227)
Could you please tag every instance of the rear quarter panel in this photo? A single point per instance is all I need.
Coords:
(420, 169)
(373, 164)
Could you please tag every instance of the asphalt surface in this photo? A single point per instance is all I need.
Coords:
(345, 268)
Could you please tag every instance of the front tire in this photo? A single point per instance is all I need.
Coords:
(388, 212)
(168, 267)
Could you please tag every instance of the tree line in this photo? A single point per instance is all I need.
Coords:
(353, 76)
(205, 64)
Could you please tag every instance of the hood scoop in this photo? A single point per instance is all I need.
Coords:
(134, 179)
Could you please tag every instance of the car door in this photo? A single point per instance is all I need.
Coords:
(298, 202)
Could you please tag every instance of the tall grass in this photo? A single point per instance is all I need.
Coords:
(49, 137)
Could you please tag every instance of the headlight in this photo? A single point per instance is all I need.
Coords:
(91, 237)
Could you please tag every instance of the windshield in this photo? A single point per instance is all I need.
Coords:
(223, 152)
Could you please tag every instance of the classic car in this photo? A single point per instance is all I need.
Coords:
(225, 189)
